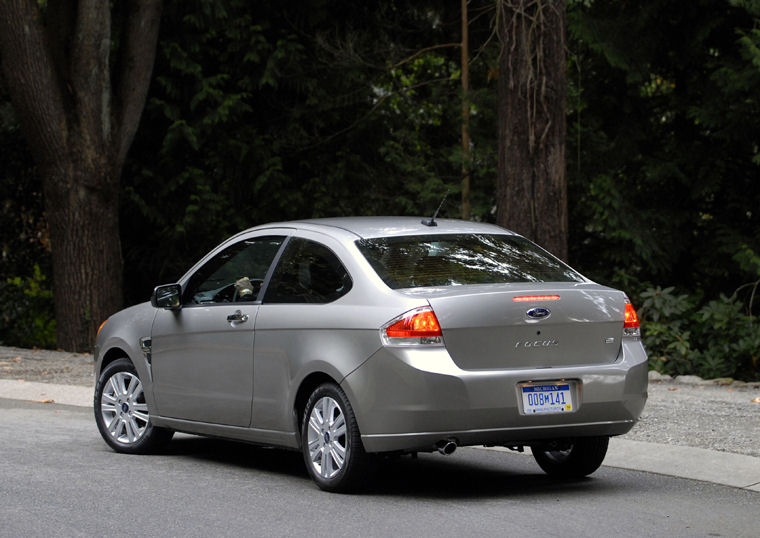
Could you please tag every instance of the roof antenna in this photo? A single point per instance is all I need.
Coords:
(432, 222)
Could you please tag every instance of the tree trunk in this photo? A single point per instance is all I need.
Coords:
(79, 114)
(466, 153)
(531, 184)
(82, 207)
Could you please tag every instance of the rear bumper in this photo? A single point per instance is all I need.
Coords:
(410, 399)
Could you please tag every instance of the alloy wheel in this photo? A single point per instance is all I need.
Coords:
(123, 408)
(327, 437)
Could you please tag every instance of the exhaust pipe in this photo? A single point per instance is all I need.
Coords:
(446, 447)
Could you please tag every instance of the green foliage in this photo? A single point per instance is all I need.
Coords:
(663, 140)
(28, 318)
(295, 111)
(717, 339)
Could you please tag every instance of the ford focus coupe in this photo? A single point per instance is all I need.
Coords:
(349, 338)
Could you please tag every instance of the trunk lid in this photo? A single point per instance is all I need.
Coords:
(485, 328)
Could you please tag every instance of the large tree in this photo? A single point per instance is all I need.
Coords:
(78, 73)
(531, 191)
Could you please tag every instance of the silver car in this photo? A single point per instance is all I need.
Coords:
(349, 338)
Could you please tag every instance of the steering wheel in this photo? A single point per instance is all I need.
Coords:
(225, 295)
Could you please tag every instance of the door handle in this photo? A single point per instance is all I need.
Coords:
(237, 317)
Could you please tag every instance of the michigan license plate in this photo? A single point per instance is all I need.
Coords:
(547, 398)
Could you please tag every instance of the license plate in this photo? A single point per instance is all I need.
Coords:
(547, 398)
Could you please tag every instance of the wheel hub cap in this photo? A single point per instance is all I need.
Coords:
(123, 408)
(327, 437)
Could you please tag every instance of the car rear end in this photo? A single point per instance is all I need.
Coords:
(508, 347)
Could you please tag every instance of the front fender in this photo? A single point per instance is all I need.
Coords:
(120, 337)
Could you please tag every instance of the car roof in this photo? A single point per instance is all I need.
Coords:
(373, 227)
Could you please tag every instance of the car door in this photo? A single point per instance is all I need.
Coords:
(298, 324)
(202, 354)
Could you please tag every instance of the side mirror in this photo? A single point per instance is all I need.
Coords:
(167, 296)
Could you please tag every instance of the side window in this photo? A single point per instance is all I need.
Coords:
(234, 275)
(307, 273)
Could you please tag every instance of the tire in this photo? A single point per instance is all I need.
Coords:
(330, 441)
(121, 412)
(576, 459)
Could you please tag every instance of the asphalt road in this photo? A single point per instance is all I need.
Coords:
(57, 477)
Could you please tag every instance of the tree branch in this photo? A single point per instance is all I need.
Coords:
(134, 70)
(423, 51)
(371, 111)
(90, 75)
(59, 22)
(31, 80)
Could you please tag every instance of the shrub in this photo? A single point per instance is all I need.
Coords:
(718, 338)
(28, 318)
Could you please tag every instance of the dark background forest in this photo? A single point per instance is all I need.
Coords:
(266, 111)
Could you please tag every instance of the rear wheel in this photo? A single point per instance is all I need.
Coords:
(572, 459)
(330, 439)
(122, 413)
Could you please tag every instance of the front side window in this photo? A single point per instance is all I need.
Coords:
(234, 275)
(460, 259)
(308, 272)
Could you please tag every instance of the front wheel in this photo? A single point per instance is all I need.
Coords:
(121, 412)
(330, 440)
(572, 459)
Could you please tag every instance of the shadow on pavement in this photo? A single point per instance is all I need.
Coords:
(468, 474)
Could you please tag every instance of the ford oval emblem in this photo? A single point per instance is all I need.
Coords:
(539, 312)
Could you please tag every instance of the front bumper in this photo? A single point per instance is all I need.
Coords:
(412, 398)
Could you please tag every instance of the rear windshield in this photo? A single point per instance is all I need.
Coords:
(459, 259)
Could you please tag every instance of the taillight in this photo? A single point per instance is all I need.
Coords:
(631, 325)
(416, 327)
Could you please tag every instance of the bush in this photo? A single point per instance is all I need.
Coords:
(28, 319)
(718, 338)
